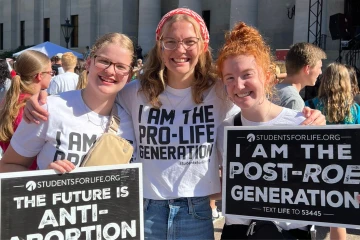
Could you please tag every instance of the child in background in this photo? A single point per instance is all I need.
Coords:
(336, 96)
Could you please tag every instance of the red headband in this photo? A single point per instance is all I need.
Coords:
(203, 29)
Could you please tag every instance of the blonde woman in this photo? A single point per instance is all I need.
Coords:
(81, 114)
(34, 73)
(336, 97)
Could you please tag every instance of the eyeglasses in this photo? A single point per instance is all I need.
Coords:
(120, 68)
(51, 73)
(172, 44)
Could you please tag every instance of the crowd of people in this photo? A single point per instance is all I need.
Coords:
(182, 86)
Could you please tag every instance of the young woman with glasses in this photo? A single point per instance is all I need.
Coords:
(77, 118)
(176, 108)
(175, 115)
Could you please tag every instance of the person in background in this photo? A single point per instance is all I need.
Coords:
(5, 78)
(139, 52)
(303, 66)
(68, 80)
(279, 75)
(80, 66)
(87, 52)
(354, 83)
(83, 113)
(34, 73)
(83, 79)
(138, 69)
(57, 64)
(336, 96)
(246, 68)
(82, 72)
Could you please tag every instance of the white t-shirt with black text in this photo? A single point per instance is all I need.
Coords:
(69, 133)
(177, 142)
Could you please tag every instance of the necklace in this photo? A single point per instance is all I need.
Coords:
(178, 103)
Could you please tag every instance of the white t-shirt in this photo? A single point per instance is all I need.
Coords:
(63, 83)
(177, 142)
(69, 132)
(286, 117)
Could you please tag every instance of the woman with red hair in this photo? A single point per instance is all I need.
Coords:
(247, 70)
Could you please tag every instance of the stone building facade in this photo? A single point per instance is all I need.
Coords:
(30, 22)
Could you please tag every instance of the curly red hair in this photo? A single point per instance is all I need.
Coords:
(246, 40)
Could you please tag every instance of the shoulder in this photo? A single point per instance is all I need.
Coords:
(135, 84)
(281, 86)
(123, 115)
(55, 79)
(129, 88)
(228, 121)
(70, 74)
(129, 96)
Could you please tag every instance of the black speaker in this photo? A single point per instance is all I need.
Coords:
(339, 27)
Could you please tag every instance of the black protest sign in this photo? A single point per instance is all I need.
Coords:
(89, 203)
(309, 174)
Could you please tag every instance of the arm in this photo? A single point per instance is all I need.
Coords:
(33, 112)
(281, 76)
(218, 196)
(337, 233)
(14, 162)
(313, 117)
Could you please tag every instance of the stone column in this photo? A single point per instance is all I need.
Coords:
(149, 17)
(301, 22)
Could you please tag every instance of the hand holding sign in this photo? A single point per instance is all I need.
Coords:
(62, 166)
(310, 175)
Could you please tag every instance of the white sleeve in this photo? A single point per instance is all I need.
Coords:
(127, 96)
(29, 139)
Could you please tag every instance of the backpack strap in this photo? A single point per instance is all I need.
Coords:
(237, 119)
(114, 121)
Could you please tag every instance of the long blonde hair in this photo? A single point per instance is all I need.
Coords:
(154, 78)
(335, 93)
(27, 66)
(82, 80)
